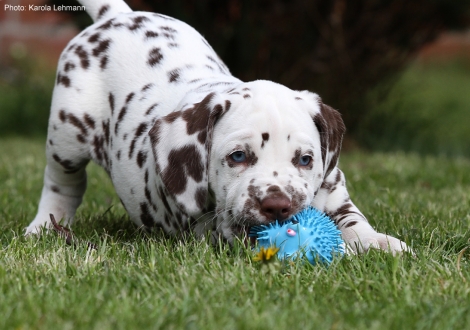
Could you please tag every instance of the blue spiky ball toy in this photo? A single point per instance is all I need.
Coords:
(309, 232)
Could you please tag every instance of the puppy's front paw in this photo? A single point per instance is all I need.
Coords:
(377, 241)
(34, 229)
(362, 237)
(40, 223)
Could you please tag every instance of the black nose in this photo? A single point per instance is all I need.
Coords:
(276, 207)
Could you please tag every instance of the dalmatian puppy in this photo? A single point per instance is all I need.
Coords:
(187, 145)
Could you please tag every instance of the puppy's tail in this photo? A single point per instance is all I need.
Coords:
(105, 9)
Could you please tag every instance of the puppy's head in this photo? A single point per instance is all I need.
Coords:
(252, 155)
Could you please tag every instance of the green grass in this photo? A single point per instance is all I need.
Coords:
(25, 98)
(137, 280)
(427, 111)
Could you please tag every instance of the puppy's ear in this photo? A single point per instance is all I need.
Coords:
(181, 143)
(331, 127)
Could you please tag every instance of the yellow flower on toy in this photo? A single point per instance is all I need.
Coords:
(266, 254)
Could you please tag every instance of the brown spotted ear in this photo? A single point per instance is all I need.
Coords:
(181, 143)
(331, 127)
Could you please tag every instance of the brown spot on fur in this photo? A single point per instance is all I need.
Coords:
(148, 195)
(183, 162)
(201, 118)
(83, 56)
(94, 37)
(146, 87)
(64, 80)
(163, 198)
(72, 119)
(155, 134)
(103, 46)
(104, 62)
(251, 208)
(71, 47)
(168, 36)
(297, 198)
(77, 123)
(350, 224)
(62, 116)
(338, 177)
(254, 191)
(172, 116)
(106, 25)
(197, 117)
(328, 186)
(98, 143)
(342, 213)
(296, 158)
(89, 121)
(129, 97)
(174, 76)
(251, 157)
(69, 66)
(111, 102)
(138, 22)
(265, 138)
(105, 125)
(141, 158)
(132, 147)
(150, 109)
(103, 10)
(121, 115)
(155, 57)
(200, 197)
(81, 138)
(66, 164)
(168, 29)
(140, 129)
(151, 34)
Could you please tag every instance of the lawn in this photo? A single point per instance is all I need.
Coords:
(425, 111)
(137, 280)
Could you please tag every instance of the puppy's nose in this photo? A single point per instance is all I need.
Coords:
(276, 207)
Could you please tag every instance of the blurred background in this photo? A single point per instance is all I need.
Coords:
(397, 70)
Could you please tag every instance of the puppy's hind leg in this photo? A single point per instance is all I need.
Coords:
(64, 180)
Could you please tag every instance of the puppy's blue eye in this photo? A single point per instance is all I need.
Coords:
(305, 160)
(238, 156)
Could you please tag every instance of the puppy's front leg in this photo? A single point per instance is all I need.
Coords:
(358, 234)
